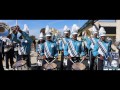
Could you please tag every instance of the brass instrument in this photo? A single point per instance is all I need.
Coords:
(5, 30)
(88, 33)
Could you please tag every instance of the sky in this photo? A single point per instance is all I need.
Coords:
(36, 25)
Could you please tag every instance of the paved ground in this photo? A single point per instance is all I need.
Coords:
(33, 59)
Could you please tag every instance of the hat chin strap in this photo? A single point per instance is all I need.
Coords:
(74, 38)
(101, 39)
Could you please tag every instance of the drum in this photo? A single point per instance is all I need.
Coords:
(50, 66)
(20, 65)
(78, 66)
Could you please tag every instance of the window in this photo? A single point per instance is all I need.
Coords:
(110, 30)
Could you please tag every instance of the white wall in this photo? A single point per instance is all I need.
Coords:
(117, 30)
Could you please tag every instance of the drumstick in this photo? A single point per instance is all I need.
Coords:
(81, 61)
(71, 61)
(50, 62)
(47, 62)
(53, 60)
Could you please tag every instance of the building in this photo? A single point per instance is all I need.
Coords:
(112, 28)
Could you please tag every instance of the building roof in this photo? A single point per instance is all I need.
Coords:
(88, 24)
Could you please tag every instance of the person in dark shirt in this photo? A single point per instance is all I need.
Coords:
(1, 64)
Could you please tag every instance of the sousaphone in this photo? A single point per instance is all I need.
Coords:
(4, 29)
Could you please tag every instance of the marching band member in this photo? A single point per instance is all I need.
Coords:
(73, 49)
(40, 47)
(15, 42)
(90, 44)
(85, 43)
(64, 40)
(1, 49)
(50, 48)
(8, 48)
(43, 32)
(9, 51)
(101, 49)
(55, 40)
(25, 44)
(15, 45)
